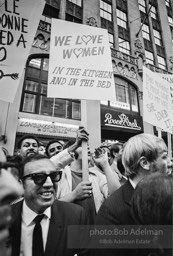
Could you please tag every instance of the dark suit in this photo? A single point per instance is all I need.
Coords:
(116, 211)
(62, 215)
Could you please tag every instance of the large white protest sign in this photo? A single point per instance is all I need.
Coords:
(18, 23)
(169, 78)
(156, 101)
(80, 63)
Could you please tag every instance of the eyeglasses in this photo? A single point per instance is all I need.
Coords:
(40, 178)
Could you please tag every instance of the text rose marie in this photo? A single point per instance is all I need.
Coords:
(122, 121)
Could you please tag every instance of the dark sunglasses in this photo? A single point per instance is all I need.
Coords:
(40, 178)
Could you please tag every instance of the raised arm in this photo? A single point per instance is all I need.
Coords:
(101, 161)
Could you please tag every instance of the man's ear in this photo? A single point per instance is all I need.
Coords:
(144, 163)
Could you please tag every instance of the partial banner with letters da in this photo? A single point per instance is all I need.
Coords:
(156, 101)
(19, 22)
(80, 65)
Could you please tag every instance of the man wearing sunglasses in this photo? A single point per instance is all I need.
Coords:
(40, 181)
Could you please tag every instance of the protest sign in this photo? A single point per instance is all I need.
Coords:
(19, 20)
(80, 63)
(156, 101)
(169, 78)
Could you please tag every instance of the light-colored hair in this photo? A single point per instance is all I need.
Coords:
(144, 144)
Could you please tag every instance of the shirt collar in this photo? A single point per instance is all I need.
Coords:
(132, 183)
(28, 215)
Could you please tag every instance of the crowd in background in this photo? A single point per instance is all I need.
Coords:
(129, 184)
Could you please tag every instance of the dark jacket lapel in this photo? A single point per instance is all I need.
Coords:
(55, 231)
(15, 230)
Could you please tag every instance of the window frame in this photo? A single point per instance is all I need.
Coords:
(142, 6)
(160, 63)
(104, 12)
(76, 2)
(157, 37)
(123, 46)
(167, 3)
(146, 32)
(150, 60)
(122, 19)
(109, 105)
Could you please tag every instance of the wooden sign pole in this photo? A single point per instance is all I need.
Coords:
(85, 174)
(169, 145)
(159, 132)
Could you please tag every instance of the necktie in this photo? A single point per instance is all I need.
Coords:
(37, 240)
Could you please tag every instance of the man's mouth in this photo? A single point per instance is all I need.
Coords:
(30, 153)
(47, 195)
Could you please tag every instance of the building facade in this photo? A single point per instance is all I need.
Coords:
(140, 33)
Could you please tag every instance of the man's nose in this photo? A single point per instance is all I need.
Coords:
(170, 162)
(31, 147)
(48, 181)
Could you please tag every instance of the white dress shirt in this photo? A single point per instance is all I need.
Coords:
(27, 229)
(132, 183)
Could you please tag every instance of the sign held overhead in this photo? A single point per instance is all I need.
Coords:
(19, 21)
(80, 63)
(156, 101)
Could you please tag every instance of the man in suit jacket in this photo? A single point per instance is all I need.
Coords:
(143, 154)
(40, 180)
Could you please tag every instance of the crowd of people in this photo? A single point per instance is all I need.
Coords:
(42, 194)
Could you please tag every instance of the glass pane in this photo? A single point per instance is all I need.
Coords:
(31, 86)
(76, 110)
(111, 38)
(46, 64)
(46, 106)
(109, 17)
(33, 73)
(44, 89)
(134, 99)
(79, 2)
(101, 4)
(29, 103)
(68, 109)
(36, 63)
(60, 108)
(122, 95)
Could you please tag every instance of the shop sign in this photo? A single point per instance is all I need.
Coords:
(121, 120)
(46, 128)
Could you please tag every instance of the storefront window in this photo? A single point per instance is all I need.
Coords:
(29, 103)
(134, 101)
(34, 98)
(76, 111)
(122, 95)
